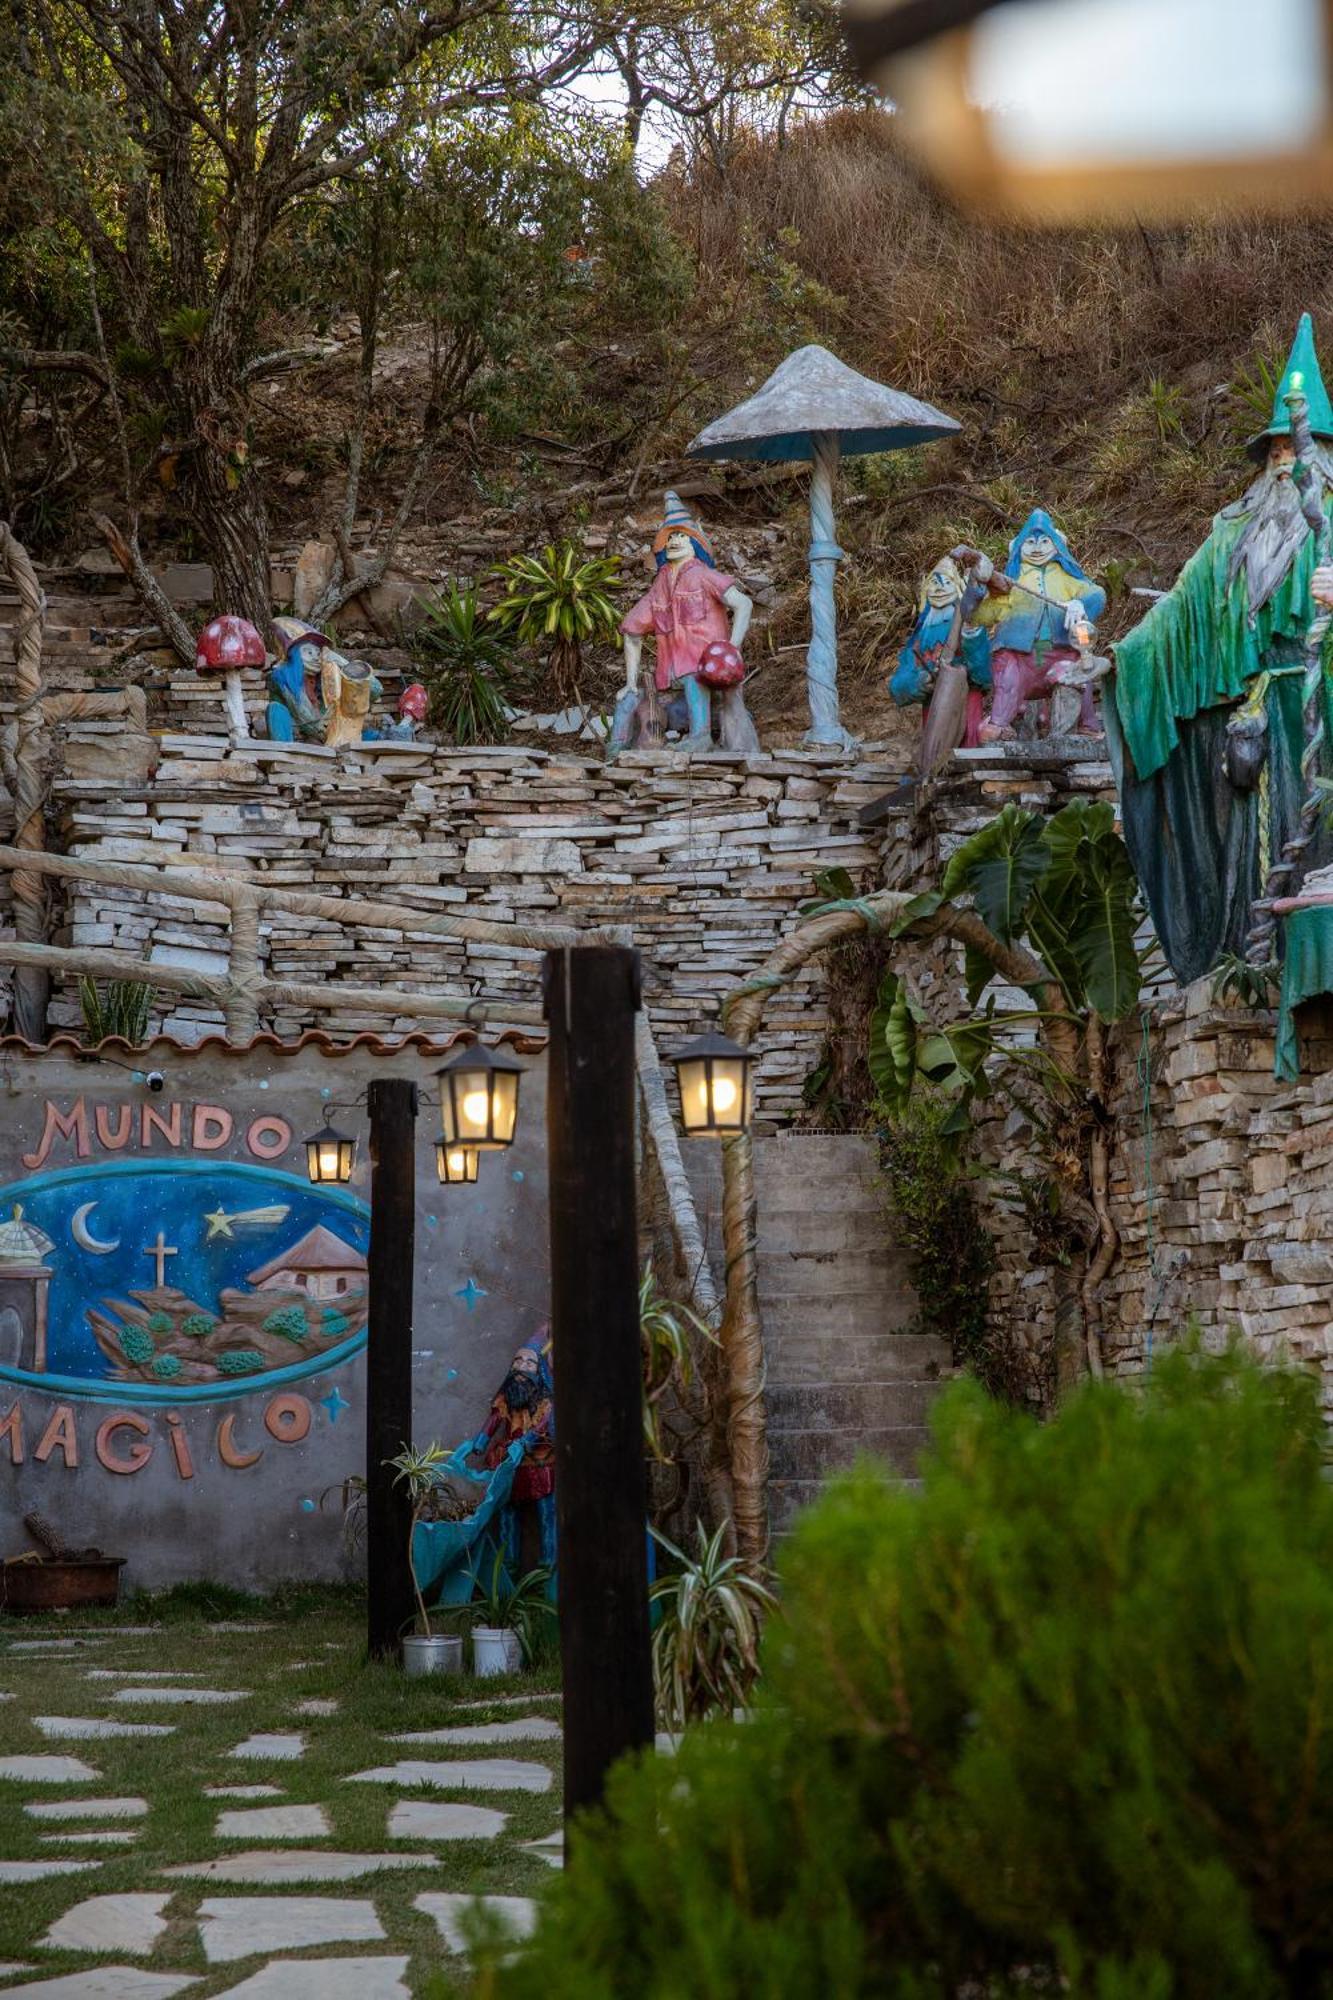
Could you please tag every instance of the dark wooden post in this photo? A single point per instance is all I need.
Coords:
(592, 996)
(392, 1103)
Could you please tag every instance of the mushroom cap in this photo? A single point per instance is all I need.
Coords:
(227, 643)
(811, 394)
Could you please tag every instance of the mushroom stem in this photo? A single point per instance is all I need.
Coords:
(236, 717)
(822, 659)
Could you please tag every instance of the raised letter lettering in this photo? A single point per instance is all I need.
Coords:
(71, 1125)
(212, 1128)
(180, 1445)
(61, 1435)
(136, 1456)
(113, 1141)
(287, 1418)
(169, 1127)
(11, 1426)
(229, 1452)
(269, 1138)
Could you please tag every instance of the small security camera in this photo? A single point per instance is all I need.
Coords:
(156, 1080)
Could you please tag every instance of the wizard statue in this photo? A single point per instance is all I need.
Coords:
(316, 694)
(1210, 722)
(947, 604)
(523, 1410)
(1039, 610)
(698, 617)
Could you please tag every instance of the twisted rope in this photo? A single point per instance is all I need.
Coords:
(31, 983)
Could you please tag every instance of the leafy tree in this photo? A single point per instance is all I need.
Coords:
(1059, 1723)
(169, 150)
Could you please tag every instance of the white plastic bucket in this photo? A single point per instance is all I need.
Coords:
(495, 1650)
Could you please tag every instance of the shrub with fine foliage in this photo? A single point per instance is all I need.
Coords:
(1062, 1722)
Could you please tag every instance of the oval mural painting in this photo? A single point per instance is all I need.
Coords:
(177, 1281)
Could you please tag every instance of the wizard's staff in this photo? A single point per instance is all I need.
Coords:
(1283, 876)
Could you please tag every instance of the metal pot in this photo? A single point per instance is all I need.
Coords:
(442, 1654)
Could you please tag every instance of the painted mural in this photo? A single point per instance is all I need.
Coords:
(177, 1280)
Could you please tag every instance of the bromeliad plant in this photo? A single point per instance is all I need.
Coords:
(706, 1647)
(558, 603)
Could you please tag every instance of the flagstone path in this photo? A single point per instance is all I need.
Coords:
(164, 1866)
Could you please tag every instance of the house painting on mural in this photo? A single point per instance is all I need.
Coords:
(146, 1280)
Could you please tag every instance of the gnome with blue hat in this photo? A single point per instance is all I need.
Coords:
(1210, 725)
(1039, 611)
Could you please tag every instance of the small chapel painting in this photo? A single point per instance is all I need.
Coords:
(193, 1278)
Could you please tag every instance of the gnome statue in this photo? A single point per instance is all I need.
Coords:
(522, 1410)
(945, 630)
(1210, 722)
(316, 694)
(1039, 610)
(698, 617)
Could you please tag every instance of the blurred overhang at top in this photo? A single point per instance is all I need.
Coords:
(1074, 110)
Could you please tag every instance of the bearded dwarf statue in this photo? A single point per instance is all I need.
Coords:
(1206, 728)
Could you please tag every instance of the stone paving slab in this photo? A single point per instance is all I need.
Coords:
(273, 1823)
(61, 1645)
(89, 1728)
(316, 1705)
(278, 1865)
(106, 1837)
(273, 1747)
(34, 1871)
(202, 1697)
(130, 1923)
(434, 1819)
(47, 1770)
(485, 1774)
(244, 1792)
(507, 1701)
(87, 1809)
(528, 1728)
(551, 1850)
(517, 1913)
(113, 1982)
(135, 1674)
(325, 1979)
(238, 1926)
(236, 1625)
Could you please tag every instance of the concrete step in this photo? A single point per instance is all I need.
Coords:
(801, 1406)
(789, 1497)
(850, 1275)
(814, 1454)
(819, 1315)
(807, 1232)
(856, 1358)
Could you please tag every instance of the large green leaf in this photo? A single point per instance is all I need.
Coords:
(892, 1056)
(1084, 922)
(1000, 864)
(979, 972)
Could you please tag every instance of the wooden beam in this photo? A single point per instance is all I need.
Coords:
(392, 1105)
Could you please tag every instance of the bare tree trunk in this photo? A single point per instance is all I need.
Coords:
(32, 984)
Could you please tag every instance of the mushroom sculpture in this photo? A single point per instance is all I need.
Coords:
(225, 646)
(815, 407)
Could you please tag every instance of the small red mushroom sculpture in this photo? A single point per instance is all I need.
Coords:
(226, 645)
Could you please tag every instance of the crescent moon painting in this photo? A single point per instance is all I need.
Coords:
(83, 1236)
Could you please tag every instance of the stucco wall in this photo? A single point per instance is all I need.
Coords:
(224, 1479)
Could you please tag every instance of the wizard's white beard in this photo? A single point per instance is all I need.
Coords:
(1274, 531)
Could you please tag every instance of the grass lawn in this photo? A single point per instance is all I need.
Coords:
(312, 1646)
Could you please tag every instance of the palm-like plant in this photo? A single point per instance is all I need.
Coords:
(419, 1471)
(468, 670)
(706, 1648)
(559, 602)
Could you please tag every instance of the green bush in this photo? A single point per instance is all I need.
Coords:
(166, 1367)
(288, 1322)
(136, 1343)
(198, 1325)
(1060, 1722)
(161, 1323)
(241, 1361)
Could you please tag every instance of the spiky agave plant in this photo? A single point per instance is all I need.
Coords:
(706, 1648)
(120, 1008)
(559, 602)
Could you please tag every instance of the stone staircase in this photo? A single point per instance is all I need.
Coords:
(846, 1374)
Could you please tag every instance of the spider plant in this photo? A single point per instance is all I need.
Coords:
(559, 602)
(706, 1648)
(521, 1607)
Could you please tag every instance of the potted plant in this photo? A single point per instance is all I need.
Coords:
(507, 1619)
(424, 1652)
(706, 1647)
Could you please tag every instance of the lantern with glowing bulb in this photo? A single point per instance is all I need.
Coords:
(329, 1156)
(455, 1165)
(716, 1094)
(479, 1098)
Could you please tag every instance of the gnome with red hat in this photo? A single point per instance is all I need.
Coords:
(698, 617)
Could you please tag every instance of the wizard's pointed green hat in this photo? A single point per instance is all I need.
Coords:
(1302, 361)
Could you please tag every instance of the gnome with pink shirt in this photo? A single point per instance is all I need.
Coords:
(698, 616)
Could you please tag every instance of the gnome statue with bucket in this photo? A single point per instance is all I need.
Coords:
(698, 617)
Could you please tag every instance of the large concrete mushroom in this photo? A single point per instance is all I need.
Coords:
(226, 645)
(815, 407)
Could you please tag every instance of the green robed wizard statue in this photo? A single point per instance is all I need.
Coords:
(1208, 724)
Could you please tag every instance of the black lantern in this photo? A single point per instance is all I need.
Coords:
(455, 1164)
(329, 1155)
(479, 1098)
(713, 1076)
